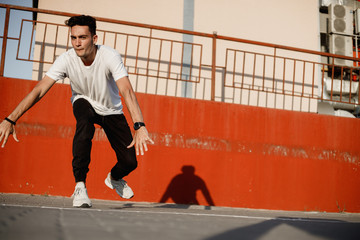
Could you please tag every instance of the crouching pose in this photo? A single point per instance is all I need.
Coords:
(97, 75)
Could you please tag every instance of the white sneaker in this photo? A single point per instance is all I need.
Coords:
(120, 186)
(81, 199)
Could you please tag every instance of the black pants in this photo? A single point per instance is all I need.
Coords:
(118, 133)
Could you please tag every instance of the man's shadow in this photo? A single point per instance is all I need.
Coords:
(183, 187)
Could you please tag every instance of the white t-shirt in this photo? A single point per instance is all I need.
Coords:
(95, 83)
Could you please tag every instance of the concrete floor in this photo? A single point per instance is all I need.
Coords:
(46, 217)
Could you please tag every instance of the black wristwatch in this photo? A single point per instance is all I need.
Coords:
(138, 125)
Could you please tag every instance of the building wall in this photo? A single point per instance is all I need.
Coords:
(205, 152)
(280, 22)
(292, 23)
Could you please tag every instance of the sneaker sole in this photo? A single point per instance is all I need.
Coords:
(123, 196)
(84, 205)
(109, 185)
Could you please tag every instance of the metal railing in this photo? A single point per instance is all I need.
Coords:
(211, 67)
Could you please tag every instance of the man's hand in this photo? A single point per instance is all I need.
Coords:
(6, 129)
(140, 140)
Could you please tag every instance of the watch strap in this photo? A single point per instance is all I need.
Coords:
(138, 125)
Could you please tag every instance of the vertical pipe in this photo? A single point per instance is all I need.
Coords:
(213, 66)
(284, 72)
(188, 39)
(356, 63)
(294, 75)
(322, 82)
(55, 44)
(234, 70)
(341, 83)
(160, 50)
(191, 62)
(67, 41)
(126, 48)
(137, 54)
(243, 72)
(115, 40)
(254, 71)
(351, 81)
(313, 81)
(332, 78)
(264, 72)
(303, 82)
(32, 38)
(170, 57)
(18, 48)
(3, 52)
(42, 52)
(148, 57)
(226, 66)
(200, 63)
(158, 70)
(273, 90)
(182, 62)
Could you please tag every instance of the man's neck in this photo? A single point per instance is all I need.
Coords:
(90, 59)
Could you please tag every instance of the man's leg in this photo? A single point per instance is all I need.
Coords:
(119, 135)
(118, 132)
(84, 114)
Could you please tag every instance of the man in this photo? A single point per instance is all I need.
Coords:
(97, 75)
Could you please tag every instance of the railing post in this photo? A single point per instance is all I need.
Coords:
(3, 51)
(213, 67)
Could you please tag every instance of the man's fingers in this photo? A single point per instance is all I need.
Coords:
(15, 137)
(137, 149)
(131, 144)
(5, 130)
(5, 140)
(140, 142)
(145, 147)
(141, 150)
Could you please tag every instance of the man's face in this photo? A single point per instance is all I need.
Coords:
(82, 41)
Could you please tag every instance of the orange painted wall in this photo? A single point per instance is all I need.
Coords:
(243, 156)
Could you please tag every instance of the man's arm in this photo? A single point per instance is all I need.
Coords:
(7, 128)
(141, 137)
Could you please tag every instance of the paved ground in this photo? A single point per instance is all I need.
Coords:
(43, 217)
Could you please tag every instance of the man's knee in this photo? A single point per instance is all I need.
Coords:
(132, 166)
(83, 110)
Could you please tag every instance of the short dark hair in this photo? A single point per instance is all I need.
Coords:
(83, 20)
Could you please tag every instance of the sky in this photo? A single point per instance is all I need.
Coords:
(16, 68)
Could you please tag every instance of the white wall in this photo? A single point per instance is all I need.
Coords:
(292, 23)
(286, 22)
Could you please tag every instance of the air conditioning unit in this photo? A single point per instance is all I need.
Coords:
(341, 45)
(340, 19)
(343, 87)
(357, 21)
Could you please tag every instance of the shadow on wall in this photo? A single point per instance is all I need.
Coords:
(183, 187)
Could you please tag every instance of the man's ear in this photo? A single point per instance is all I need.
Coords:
(95, 38)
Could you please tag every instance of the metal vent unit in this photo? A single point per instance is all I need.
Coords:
(340, 19)
(341, 45)
(340, 28)
(357, 21)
